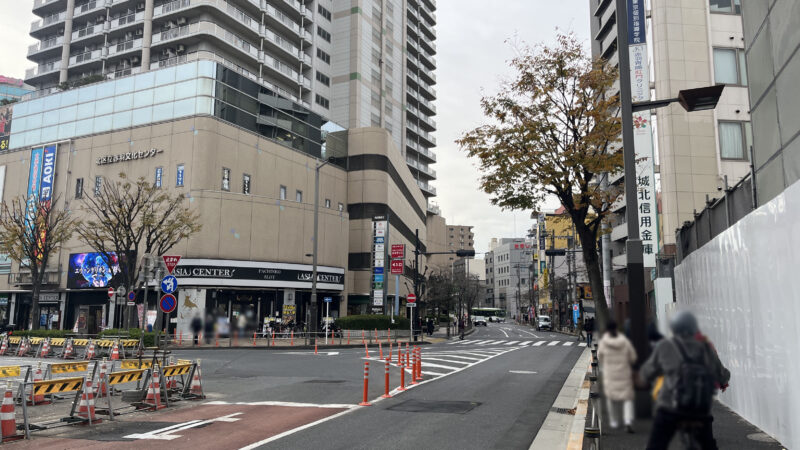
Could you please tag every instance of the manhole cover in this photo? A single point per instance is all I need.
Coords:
(433, 406)
(324, 381)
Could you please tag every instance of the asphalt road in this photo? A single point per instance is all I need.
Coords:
(492, 389)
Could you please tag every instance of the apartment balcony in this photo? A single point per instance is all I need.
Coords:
(429, 4)
(294, 8)
(426, 74)
(427, 61)
(85, 58)
(41, 48)
(48, 25)
(42, 70)
(87, 33)
(123, 22)
(423, 152)
(123, 48)
(281, 22)
(413, 30)
(281, 69)
(428, 45)
(283, 47)
(173, 6)
(427, 91)
(116, 72)
(422, 168)
(426, 122)
(46, 7)
(424, 136)
(427, 14)
(92, 7)
(434, 209)
(619, 232)
(50, 278)
(209, 29)
(427, 189)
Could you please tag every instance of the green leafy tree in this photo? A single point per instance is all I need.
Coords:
(551, 132)
(133, 219)
(30, 233)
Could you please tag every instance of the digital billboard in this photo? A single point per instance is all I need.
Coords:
(90, 270)
(6, 113)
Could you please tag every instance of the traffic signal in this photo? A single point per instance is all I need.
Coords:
(555, 252)
(464, 253)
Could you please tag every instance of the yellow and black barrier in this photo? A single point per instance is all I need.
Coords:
(80, 342)
(135, 364)
(14, 340)
(176, 370)
(58, 342)
(58, 386)
(70, 367)
(126, 376)
(10, 371)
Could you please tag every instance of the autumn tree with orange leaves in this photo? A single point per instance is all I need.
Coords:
(551, 131)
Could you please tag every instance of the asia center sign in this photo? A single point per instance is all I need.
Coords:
(230, 273)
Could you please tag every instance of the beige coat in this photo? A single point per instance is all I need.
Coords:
(616, 355)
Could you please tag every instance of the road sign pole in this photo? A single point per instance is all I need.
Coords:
(327, 320)
(396, 307)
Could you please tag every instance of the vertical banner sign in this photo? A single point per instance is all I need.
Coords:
(380, 236)
(46, 185)
(642, 133)
(34, 182)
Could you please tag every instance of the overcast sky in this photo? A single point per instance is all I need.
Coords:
(472, 55)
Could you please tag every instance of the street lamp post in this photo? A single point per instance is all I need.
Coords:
(313, 306)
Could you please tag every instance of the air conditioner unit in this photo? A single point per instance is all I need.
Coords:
(61, 31)
(140, 6)
(135, 60)
(173, 24)
(171, 52)
(129, 35)
(181, 48)
(181, 21)
(101, 19)
(164, 52)
(126, 62)
(139, 32)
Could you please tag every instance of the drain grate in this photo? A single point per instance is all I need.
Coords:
(434, 406)
(324, 381)
(570, 412)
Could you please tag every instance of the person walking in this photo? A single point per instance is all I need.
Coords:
(430, 326)
(197, 326)
(616, 356)
(208, 332)
(692, 374)
(588, 327)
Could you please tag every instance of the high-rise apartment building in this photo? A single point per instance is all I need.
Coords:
(691, 44)
(370, 64)
(383, 75)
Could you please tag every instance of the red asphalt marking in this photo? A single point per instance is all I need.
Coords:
(256, 423)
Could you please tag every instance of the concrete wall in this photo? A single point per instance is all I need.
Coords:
(741, 287)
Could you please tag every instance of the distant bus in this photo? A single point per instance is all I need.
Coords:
(490, 314)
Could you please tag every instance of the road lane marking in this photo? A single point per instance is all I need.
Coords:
(525, 343)
(568, 343)
(553, 343)
(445, 360)
(452, 356)
(512, 342)
(165, 434)
(539, 343)
(523, 372)
(300, 428)
(503, 331)
(531, 333)
(434, 373)
(494, 342)
(289, 404)
(309, 353)
(582, 344)
(438, 365)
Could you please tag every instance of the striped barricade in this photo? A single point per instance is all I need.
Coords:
(135, 364)
(116, 378)
(178, 378)
(62, 368)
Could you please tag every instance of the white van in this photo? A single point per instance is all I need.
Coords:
(543, 322)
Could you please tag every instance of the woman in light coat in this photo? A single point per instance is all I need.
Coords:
(617, 355)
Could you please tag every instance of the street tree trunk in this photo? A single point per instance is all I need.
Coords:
(35, 289)
(592, 261)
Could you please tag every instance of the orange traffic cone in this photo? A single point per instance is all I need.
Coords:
(67, 349)
(86, 406)
(4, 346)
(115, 351)
(154, 391)
(38, 375)
(22, 347)
(45, 349)
(8, 421)
(90, 349)
(102, 387)
(196, 388)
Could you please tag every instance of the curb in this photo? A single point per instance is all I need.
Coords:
(565, 430)
(295, 347)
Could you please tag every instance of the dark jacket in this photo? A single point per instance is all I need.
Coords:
(666, 360)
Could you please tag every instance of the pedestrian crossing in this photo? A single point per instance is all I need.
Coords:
(438, 363)
(510, 343)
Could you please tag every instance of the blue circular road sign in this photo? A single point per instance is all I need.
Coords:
(168, 303)
(169, 284)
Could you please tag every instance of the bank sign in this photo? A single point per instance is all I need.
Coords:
(204, 272)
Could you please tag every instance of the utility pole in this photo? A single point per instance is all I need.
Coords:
(313, 306)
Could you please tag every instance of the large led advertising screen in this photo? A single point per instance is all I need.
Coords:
(90, 270)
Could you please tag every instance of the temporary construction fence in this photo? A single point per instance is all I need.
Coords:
(68, 348)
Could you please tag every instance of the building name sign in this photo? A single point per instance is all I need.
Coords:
(255, 274)
(129, 156)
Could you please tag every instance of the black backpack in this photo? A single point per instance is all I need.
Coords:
(694, 391)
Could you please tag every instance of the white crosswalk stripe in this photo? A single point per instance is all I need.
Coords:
(511, 343)
(437, 362)
(539, 343)
(486, 344)
(553, 343)
(525, 343)
(568, 343)
(582, 344)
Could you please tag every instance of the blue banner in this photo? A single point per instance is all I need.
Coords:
(636, 22)
(34, 182)
(48, 175)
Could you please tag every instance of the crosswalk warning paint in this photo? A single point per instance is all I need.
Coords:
(135, 364)
(126, 376)
(10, 371)
(58, 386)
(70, 367)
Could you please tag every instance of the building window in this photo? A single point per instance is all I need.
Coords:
(159, 176)
(245, 184)
(323, 34)
(326, 58)
(79, 188)
(341, 207)
(322, 101)
(179, 175)
(324, 12)
(735, 138)
(328, 203)
(726, 6)
(298, 196)
(226, 179)
(375, 98)
(282, 194)
(375, 120)
(98, 184)
(729, 66)
(324, 79)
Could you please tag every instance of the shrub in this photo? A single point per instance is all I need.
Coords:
(149, 339)
(371, 322)
(42, 333)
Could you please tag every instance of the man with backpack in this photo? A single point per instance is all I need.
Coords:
(692, 373)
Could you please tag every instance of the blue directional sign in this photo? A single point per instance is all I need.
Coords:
(378, 278)
(169, 284)
(328, 299)
(380, 240)
(379, 270)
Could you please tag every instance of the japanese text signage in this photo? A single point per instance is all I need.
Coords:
(397, 267)
(380, 232)
(642, 133)
(398, 251)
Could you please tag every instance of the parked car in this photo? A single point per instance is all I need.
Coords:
(543, 323)
(479, 320)
(497, 319)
